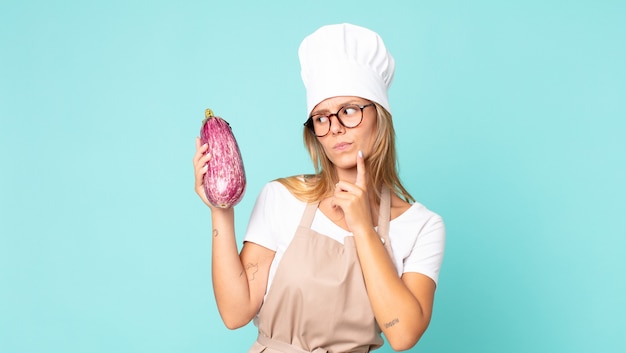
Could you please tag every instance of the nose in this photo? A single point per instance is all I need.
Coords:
(335, 125)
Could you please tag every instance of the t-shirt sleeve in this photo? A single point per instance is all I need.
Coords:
(259, 229)
(427, 254)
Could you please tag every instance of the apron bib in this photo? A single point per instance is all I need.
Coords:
(318, 301)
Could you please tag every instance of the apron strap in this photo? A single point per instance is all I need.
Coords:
(309, 214)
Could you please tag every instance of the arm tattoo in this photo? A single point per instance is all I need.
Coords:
(252, 269)
(215, 232)
(392, 322)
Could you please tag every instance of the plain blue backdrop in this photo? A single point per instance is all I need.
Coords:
(511, 124)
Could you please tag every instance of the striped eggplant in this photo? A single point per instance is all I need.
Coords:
(225, 179)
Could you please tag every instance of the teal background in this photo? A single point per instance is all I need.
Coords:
(511, 124)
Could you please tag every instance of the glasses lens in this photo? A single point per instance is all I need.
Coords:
(351, 115)
(320, 124)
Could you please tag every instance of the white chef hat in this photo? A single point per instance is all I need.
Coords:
(345, 60)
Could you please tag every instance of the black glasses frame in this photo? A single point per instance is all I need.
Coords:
(309, 122)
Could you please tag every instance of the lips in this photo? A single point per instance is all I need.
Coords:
(342, 146)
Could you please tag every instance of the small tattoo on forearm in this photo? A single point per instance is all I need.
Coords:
(392, 322)
(215, 232)
(252, 269)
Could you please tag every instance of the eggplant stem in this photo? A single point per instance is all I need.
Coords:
(208, 114)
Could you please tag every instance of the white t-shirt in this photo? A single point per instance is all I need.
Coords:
(417, 236)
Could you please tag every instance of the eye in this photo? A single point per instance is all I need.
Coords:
(350, 110)
(319, 119)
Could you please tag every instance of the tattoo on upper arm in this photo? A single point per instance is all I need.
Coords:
(252, 269)
(392, 323)
(215, 232)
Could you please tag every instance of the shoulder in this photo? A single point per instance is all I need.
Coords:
(275, 194)
(418, 240)
(418, 220)
(276, 190)
(274, 207)
(415, 212)
(422, 214)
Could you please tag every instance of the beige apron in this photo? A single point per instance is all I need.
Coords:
(317, 301)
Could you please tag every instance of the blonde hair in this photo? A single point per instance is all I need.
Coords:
(381, 164)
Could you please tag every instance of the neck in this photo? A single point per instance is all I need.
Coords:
(348, 175)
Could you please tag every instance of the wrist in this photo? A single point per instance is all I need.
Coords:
(365, 232)
(219, 211)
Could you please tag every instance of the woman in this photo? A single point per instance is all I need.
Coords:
(332, 259)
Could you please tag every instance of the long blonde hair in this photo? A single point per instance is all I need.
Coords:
(381, 164)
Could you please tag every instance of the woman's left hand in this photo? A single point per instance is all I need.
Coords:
(353, 199)
(402, 305)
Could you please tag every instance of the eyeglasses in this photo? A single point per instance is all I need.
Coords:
(350, 116)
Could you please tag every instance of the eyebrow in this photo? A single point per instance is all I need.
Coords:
(322, 111)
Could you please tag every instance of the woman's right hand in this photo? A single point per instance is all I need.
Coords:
(200, 167)
(239, 282)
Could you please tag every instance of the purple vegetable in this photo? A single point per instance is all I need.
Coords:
(225, 179)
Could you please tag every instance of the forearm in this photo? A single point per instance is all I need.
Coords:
(400, 315)
(230, 282)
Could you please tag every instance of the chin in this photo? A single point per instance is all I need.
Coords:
(344, 163)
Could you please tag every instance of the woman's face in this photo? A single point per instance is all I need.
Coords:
(341, 144)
